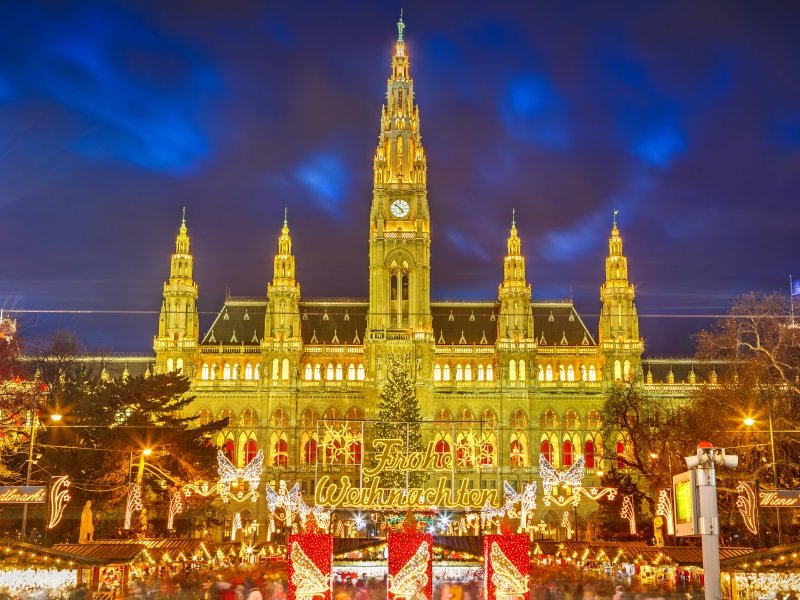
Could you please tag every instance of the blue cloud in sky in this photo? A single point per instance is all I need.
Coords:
(531, 110)
(579, 238)
(133, 92)
(465, 244)
(325, 177)
(660, 146)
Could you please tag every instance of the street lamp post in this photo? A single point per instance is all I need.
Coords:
(749, 421)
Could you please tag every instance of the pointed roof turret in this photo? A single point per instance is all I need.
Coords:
(182, 241)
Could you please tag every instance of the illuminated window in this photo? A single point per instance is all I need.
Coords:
(464, 453)
(285, 369)
(279, 419)
(459, 373)
(170, 365)
(204, 371)
(339, 372)
(561, 373)
(627, 370)
(481, 375)
(523, 375)
(235, 371)
(487, 453)
(583, 372)
(317, 372)
(512, 370)
(361, 372)
(248, 371)
(617, 371)
(546, 448)
(570, 419)
(588, 454)
(467, 372)
(441, 449)
(446, 373)
(351, 372)
(309, 372)
(570, 373)
(179, 365)
(593, 419)
(354, 453)
(229, 450)
(519, 420)
(310, 452)
(548, 373)
(548, 420)
(329, 373)
(516, 454)
(592, 373)
(489, 373)
(280, 456)
(276, 367)
(250, 451)
(437, 373)
(568, 451)
(226, 372)
(620, 455)
(541, 373)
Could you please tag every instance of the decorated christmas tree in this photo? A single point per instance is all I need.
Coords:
(399, 418)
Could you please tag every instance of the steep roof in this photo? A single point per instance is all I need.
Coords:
(334, 321)
(558, 324)
(240, 321)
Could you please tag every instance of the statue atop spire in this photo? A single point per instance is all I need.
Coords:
(400, 27)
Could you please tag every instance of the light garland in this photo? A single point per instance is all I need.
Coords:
(337, 443)
(236, 525)
(747, 505)
(133, 503)
(566, 523)
(228, 474)
(19, 581)
(628, 512)
(573, 477)
(59, 496)
(664, 509)
(762, 586)
(175, 508)
(412, 578)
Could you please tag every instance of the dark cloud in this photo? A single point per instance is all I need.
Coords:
(112, 116)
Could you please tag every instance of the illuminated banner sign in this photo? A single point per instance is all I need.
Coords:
(506, 566)
(410, 566)
(340, 492)
(779, 498)
(23, 494)
(310, 566)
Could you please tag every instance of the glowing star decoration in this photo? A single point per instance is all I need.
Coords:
(175, 508)
(228, 474)
(566, 523)
(59, 496)
(337, 444)
(412, 579)
(309, 582)
(133, 503)
(509, 583)
(291, 501)
(629, 513)
(664, 509)
(748, 508)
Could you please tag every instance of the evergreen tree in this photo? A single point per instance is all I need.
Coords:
(399, 418)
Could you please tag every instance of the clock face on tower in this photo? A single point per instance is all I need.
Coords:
(399, 208)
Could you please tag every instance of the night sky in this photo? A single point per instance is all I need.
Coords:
(684, 115)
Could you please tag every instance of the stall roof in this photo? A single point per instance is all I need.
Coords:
(636, 551)
(783, 557)
(468, 544)
(14, 551)
(122, 551)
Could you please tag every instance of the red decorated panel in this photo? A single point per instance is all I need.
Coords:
(410, 565)
(506, 567)
(310, 566)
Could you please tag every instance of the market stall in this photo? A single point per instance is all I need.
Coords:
(761, 574)
(27, 569)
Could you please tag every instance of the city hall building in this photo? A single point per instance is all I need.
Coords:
(498, 381)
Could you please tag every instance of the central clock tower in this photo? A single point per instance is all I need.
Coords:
(399, 243)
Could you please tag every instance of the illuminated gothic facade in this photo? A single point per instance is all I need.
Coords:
(498, 381)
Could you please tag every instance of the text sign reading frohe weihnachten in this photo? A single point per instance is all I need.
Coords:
(389, 456)
(23, 494)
